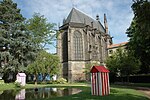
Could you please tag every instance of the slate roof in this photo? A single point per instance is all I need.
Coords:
(96, 69)
(76, 16)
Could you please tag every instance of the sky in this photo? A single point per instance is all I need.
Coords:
(119, 13)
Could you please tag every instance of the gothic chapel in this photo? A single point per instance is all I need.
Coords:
(82, 40)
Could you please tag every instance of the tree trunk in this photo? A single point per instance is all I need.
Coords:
(35, 80)
(43, 77)
(5, 77)
(14, 76)
(122, 79)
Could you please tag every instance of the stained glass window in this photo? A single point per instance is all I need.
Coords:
(78, 45)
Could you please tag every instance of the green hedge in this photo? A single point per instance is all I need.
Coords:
(58, 81)
(135, 79)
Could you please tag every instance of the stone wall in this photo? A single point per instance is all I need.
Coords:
(77, 70)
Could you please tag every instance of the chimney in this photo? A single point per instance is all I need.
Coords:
(105, 24)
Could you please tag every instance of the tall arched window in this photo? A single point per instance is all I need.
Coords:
(78, 45)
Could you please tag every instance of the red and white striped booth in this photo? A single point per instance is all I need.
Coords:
(100, 81)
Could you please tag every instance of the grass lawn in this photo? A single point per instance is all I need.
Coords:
(117, 92)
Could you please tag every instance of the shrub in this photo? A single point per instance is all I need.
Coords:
(18, 84)
(61, 81)
(58, 81)
(135, 79)
(43, 82)
(2, 82)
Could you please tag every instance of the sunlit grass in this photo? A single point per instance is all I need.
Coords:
(7, 86)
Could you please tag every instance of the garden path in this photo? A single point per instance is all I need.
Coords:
(144, 90)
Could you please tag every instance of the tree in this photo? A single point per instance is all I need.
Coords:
(9, 13)
(129, 65)
(42, 32)
(122, 63)
(17, 49)
(112, 64)
(44, 64)
(139, 33)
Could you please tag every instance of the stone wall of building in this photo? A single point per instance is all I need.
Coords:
(77, 70)
(65, 70)
(94, 44)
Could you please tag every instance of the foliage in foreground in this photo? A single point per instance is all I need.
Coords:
(44, 64)
(17, 50)
(42, 31)
(20, 39)
(122, 63)
(139, 33)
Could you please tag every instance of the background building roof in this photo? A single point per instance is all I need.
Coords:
(117, 45)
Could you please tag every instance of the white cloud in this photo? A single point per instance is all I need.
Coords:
(119, 13)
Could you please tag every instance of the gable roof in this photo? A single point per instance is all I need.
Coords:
(21, 74)
(76, 16)
(96, 69)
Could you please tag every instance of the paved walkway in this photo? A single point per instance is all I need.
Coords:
(144, 90)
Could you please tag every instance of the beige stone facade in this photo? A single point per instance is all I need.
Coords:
(114, 47)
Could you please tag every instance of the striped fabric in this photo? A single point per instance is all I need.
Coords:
(100, 83)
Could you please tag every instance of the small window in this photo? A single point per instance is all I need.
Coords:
(117, 50)
(90, 48)
(110, 51)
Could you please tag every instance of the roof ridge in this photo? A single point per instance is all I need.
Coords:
(84, 13)
(79, 16)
